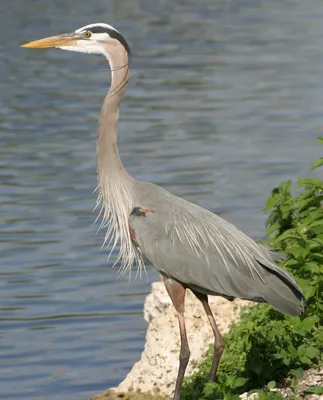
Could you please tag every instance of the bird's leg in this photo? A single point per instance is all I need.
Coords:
(176, 292)
(218, 339)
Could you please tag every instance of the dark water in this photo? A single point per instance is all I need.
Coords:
(225, 101)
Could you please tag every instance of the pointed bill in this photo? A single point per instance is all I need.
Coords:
(53, 41)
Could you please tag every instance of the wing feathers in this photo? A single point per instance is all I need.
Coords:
(202, 250)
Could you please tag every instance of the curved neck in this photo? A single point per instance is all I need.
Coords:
(115, 186)
(108, 159)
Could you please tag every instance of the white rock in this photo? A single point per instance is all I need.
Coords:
(156, 302)
(253, 396)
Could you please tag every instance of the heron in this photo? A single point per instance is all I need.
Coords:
(191, 247)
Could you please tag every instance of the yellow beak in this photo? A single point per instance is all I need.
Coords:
(53, 41)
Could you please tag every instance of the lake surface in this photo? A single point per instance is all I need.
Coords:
(225, 102)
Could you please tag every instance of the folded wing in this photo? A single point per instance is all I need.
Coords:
(209, 255)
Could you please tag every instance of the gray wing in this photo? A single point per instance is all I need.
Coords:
(208, 254)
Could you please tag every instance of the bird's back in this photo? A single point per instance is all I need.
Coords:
(208, 254)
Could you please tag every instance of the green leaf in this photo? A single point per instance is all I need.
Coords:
(309, 322)
(310, 183)
(313, 267)
(304, 283)
(293, 383)
(297, 251)
(286, 361)
(292, 350)
(272, 228)
(317, 228)
(311, 352)
(317, 163)
(271, 385)
(285, 186)
(305, 360)
(301, 349)
(289, 233)
(297, 373)
(318, 256)
(240, 381)
(314, 390)
(316, 216)
(320, 139)
(308, 291)
(209, 388)
(317, 220)
(271, 202)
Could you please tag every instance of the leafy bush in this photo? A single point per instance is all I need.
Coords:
(266, 345)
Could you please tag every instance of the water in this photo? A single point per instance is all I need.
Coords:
(225, 101)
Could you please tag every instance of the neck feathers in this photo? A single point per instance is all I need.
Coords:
(115, 186)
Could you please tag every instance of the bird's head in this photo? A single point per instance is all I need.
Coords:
(92, 39)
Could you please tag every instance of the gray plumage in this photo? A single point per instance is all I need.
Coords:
(190, 246)
(208, 254)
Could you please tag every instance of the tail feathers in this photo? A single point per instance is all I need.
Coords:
(280, 297)
(282, 292)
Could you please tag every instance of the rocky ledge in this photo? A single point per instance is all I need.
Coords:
(156, 371)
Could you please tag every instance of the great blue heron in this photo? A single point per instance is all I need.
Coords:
(189, 246)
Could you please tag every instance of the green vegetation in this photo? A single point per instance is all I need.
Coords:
(266, 346)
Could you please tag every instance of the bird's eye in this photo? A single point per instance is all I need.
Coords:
(87, 34)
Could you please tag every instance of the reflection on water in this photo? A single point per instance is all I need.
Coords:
(224, 102)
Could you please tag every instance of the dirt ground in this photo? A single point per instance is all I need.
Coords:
(131, 395)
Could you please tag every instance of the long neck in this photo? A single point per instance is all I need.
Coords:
(115, 186)
(107, 152)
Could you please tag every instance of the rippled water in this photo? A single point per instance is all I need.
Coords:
(225, 101)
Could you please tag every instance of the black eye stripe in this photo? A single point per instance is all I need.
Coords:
(112, 33)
